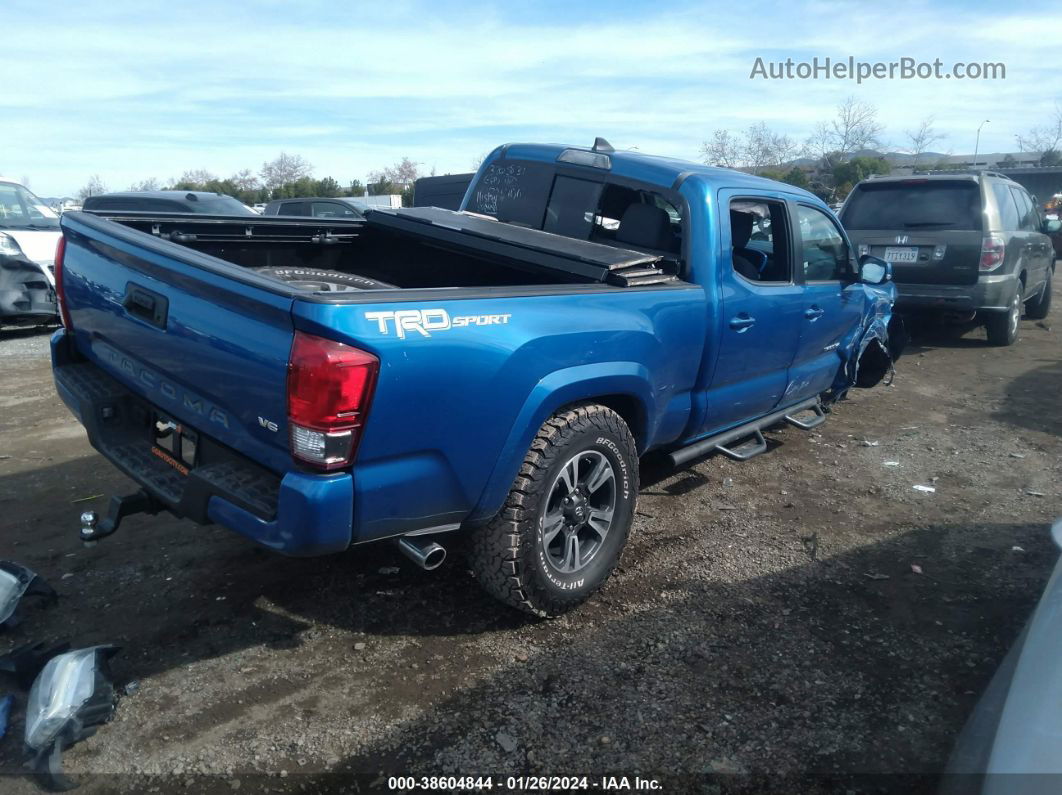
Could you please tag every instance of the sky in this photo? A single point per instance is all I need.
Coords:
(135, 90)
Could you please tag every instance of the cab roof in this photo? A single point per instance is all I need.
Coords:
(666, 172)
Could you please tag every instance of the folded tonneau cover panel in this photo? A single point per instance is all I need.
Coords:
(476, 233)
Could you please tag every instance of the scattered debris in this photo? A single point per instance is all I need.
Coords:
(132, 687)
(85, 499)
(389, 570)
(927, 489)
(1016, 548)
(1032, 493)
(873, 575)
(868, 443)
(71, 697)
(1017, 455)
(17, 581)
(359, 646)
(506, 741)
(891, 463)
(916, 568)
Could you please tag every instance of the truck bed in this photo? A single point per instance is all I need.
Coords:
(419, 248)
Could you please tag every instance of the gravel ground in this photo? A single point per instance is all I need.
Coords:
(804, 618)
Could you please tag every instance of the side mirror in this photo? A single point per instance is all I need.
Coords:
(1052, 226)
(874, 270)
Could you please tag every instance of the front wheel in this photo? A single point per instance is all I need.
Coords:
(1002, 327)
(567, 516)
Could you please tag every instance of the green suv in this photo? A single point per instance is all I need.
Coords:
(964, 245)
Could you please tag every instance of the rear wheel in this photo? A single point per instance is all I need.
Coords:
(1039, 308)
(1002, 327)
(567, 517)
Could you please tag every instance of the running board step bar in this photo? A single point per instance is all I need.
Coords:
(806, 425)
(752, 432)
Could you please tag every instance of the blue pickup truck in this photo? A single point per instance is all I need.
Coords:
(316, 383)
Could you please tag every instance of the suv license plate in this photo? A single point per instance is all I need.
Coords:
(901, 254)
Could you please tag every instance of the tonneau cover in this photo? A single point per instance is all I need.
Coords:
(472, 232)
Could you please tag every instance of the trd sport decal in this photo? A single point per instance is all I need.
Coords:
(425, 321)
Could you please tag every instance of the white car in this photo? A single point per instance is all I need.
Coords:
(29, 232)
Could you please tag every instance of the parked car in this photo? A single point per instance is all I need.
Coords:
(969, 245)
(447, 191)
(344, 207)
(29, 232)
(168, 201)
(318, 383)
(1011, 741)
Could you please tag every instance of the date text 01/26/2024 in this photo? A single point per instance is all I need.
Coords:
(524, 783)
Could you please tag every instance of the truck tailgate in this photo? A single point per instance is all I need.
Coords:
(191, 335)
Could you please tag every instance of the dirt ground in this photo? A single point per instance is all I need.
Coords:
(767, 623)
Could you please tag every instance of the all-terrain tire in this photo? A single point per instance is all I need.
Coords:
(508, 555)
(1040, 307)
(1002, 327)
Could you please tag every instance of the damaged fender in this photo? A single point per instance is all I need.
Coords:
(27, 291)
(870, 349)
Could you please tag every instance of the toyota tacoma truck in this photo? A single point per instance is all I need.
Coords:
(493, 373)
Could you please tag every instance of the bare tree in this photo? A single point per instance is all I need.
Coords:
(93, 187)
(855, 127)
(285, 168)
(196, 176)
(763, 148)
(723, 150)
(1047, 137)
(245, 179)
(757, 147)
(145, 184)
(923, 137)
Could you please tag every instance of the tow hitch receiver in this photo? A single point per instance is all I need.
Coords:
(92, 529)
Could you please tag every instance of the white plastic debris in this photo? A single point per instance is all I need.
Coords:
(868, 443)
(927, 489)
(916, 568)
(891, 463)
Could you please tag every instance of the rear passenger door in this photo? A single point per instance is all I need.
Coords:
(1037, 251)
(832, 303)
(762, 305)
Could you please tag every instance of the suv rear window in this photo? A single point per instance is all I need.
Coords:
(928, 204)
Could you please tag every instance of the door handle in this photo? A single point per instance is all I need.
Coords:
(742, 322)
(814, 312)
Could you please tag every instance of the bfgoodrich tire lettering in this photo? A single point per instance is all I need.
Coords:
(512, 557)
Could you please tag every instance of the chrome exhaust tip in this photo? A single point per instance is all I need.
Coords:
(424, 552)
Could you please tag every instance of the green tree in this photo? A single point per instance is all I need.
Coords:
(328, 187)
(1051, 157)
(355, 189)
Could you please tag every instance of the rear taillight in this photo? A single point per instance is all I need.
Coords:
(60, 291)
(330, 387)
(993, 250)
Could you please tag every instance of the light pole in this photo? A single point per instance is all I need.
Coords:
(977, 142)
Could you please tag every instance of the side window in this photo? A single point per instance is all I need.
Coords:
(290, 208)
(824, 253)
(331, 210)
(1027, 219)
(1008, 210)
(759, 239)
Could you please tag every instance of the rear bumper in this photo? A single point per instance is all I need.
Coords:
(991, 293)
(297, 514)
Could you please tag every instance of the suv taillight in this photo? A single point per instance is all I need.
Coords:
(993, 250)
(330, 387)
(60, 292)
